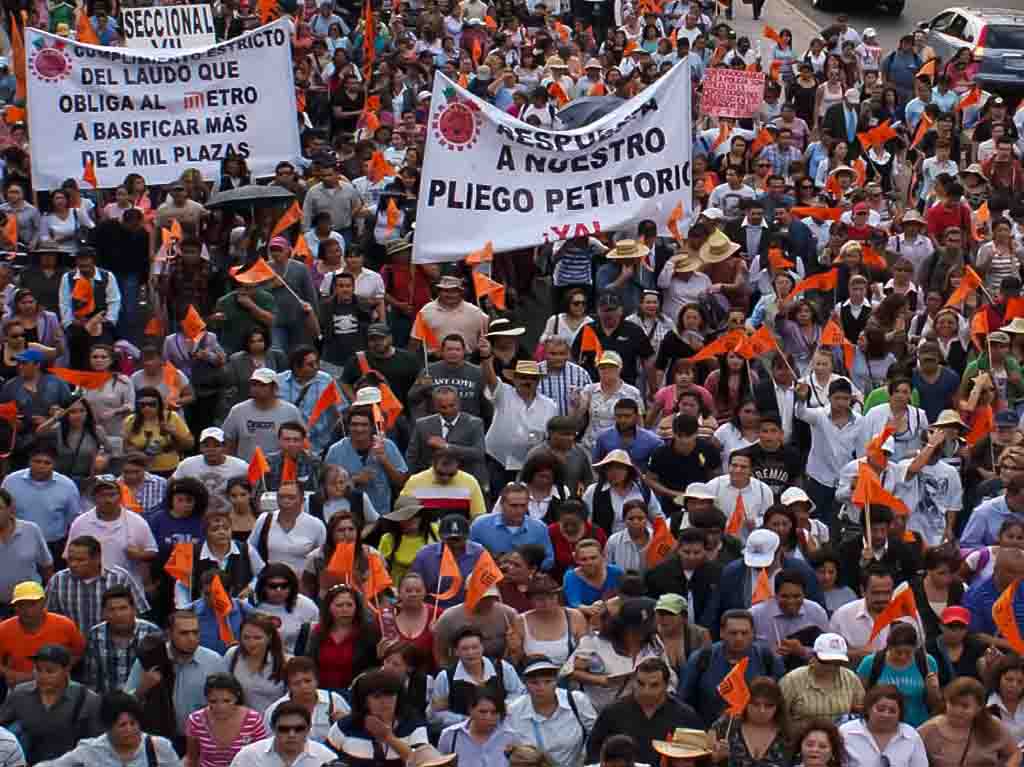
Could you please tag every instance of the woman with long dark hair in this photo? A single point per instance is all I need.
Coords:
(343, 528)
(277, 595)
(157, 432)
(414, 619)
(406, 530)
(256, 353)
(83, 449)
(257, 661)
(759, 736)
(243, 508)
(217, 732)
(544, 476)
(967, 734)
(741, 430)
(343, 643)
(730, 384)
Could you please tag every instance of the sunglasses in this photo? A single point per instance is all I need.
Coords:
(278, 585)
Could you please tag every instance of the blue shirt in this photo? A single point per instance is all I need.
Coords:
(633, 290)
(169, 530)
(52, 504)
(644, 444)
(909, 682)
(189, 679)
(578, 592)
(379, 489)
(983, 525)
(494, 535)
(700, 690)
(428, 564)
(979, 600)
(290, 390)
(209, 629)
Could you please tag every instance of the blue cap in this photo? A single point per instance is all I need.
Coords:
(1007, 418)
(30, 355)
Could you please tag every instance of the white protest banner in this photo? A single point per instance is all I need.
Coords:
(731, 92)
(158, 112)
(168, 26)
(488, 176)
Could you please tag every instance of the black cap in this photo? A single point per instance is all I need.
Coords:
(53, 653)
(610, 300)
(454, 526)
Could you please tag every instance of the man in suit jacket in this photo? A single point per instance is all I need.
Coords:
(461, 433)
(841, 121)
(687, 572)
(777, 394)
(887, 549)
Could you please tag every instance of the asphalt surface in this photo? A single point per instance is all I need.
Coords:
(863, 14)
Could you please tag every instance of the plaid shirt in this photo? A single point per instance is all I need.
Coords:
(307, 471)
(563, 387)
(150, 495)
(779, 158)
(82, 600)
(107, 664)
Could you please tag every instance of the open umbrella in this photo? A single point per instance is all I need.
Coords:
(587, 109)
(251, 196)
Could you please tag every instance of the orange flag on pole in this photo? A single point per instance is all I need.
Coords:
(823, 282)
(981, 425)
(259, 272)
(817, 213)
(833, 188)
(923, 126)
(673, 221)
(128, 499)
(770, 34)
(449, 569)
(379, 168)
(927, 69)
(9, 413)
(979, 329)
(557, 92)
(343, 562)
(901, 606)
(18, 58)
(763, 139)
(258, 466)
(176, 234)
(733, 688)
(267, 10)
(84, 33)
(377, 578)
(83, 298)
(291, 217)
(486, 574)
(778, 260)
(872, 258)
(874, 449)
(832, 334)
(761, 341)
(154, 327)
(329, 397)
(484, 255)
(289, 470)
(597, 89)
(301, 250)
(724, 343)
(1005, 617)
(737, 518)
(89, 174)
(662, 543)
(425, 334)
(10, 229)
(486, 287)
(968, 284)
(391, 406)
(222, 606)
(179, 564)
(969, 99)
(870, 491)
(1014, 308)
(193, 326)
(169, 376)
(86, 379)
(762, 588)
(589, 341)
(391, 214)
(476, 51)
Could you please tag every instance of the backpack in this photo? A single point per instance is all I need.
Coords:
(878, 664)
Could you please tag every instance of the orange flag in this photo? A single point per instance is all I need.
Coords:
(328, 397)
(597, 89)
(981, 217)
(673, 221)
(979, 329)
(154, 327)
(485, 286)
(449, 569)
(476, 51)
(927, 69)
(84, 33)
(379, 168)
(733, 688)
(723, 133)
(718, 55)
(1005, 617)
(901, 606)
(737, 518)
(18, 115)
(486, 574)
(968, 284)
(222, 606)
(463, 80)
(259, 272)
(9, 413)
(291, 216)
(369, 39)
(630, 47)
(258, 466)
(10, 228)
(662, 543)
(557, 92)
(969, 99)
(832, 334)
(770, 34)
(872, 258)
(391, 215)
(89, 174)
(193, 326)
(128, 499)
(169, 376)
(343, 562)
(176, 234)
(874, 449)
(820, 214)
(422, 332)
(490, 23)
(724, 343)
(834, 188)
(981, 426)
(923, 126)
(775, 71)
(589, 342)
(1014, 308)
(869, 491)
(763, 139)
(371, 121)
(302, 251)
(378, 578)
(391, 406)
(862, 171)
(762, 589)
(90, 379)
(179, 564)
(289, 470)
(778, 260)
(378, 419)
(18, 59)
(267, 10)
(484, 255)
(761, 341)
(823, 282)
(83, 298)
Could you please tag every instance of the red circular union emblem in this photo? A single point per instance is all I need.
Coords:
(456, 126)
(50, 64)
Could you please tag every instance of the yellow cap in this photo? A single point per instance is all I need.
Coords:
(28, 591)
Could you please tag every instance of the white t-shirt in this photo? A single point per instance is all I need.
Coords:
(215, 478)
(290, 547)
(130, 529)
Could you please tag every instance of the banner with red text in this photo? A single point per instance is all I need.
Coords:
(731, 92)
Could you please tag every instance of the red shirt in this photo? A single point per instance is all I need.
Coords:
(564, 559)
(335, 660)
(941, 217)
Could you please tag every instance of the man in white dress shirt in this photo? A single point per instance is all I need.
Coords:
(289, 745)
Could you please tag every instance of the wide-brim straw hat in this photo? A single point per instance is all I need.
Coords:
(716, 248)
(685, 744)
(628, 249)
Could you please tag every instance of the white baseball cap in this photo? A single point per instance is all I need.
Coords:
(761, 547)
(211, 432)
(830, 647)
(263, 376)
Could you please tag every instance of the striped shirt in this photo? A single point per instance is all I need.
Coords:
(81, 600)
(212, 753)
(108, 663)
(574, 265)
(805, 699)
(564, 386)
(460, 495)
(150, 494)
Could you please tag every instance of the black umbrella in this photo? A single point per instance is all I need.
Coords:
(251, 196)
(587, 109)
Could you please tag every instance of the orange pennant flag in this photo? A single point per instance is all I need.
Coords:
(871, 492)
(762, 140)
(733, 688)
(378, 579)
(490, 23)
(291, 216)
(379, 168)
(775, 72)
(91, 379)
(300, 100)
(823, 282)
(9, 413)
(371, 121)
(84, 32)
(981, 217)
(343, 562)
(89, 174)
(165, 239)
(425, 334)
(14, 115)
(901, 606)
(761, 341)
(378, 419)
(832, 334)
(673, 221)
(267, 10)
(778, 260)
(486, 575)
(674, 37)
(154, 327)
(179, 564)
(723, 134)
(1014, 308)
(968, 284)
(10, 228)
(563, 32)
(969, 99)
(589, 342)
(597, 89)
(738, 517)
(557, 92)
(874, 449)
(982, 425)
(128, 499)
(176, 233)
(329, 397)
(484, 255)
(169, 376)
(258, 466)
(630, 47)
(302, 252)
(476, 51)
(979, 329)
(222, 606)
(861, 168)
(193, 326)
(770, 34)
(662, 543)
(449, 569)
(1005, 617)
(927, 69)
(718, 55)
(82, 298)
(721, 345)
(391, 215)
(463, 80)
(817, 213)
(923, 126)
(259, 272)
(872, 258)
(391, 406)
(485, 286)
(18, 59)
(289, 470)
(762, 589)
(833, 188)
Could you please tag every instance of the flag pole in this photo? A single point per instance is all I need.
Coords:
(437, 590)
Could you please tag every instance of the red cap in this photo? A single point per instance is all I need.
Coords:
(861, 207)
(956, 615)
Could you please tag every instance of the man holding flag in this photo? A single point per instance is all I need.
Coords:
(86, 327)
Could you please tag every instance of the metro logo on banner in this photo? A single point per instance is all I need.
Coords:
(153, 111)
(168, 26)
(486, 172)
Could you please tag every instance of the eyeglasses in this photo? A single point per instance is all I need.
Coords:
(286, 729)
(278, 585)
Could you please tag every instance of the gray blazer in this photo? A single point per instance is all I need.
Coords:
(466, 439)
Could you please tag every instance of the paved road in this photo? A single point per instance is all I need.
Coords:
(889, 29)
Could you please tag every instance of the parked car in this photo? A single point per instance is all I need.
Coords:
(996, 37)
(893, 7)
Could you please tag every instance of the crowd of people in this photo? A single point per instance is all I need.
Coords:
(752, 495)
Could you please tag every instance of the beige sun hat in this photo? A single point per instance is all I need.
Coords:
(620, 457)
(685, 263)
(949, 418)
(1016, 326)
(716, 248)
(626, 249)
(685, 744)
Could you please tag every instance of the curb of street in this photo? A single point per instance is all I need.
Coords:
(800, 15)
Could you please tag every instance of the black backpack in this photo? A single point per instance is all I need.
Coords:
(878, 665)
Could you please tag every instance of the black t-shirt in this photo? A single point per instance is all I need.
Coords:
(676, 471)
(342, 100)
(344, 330)
(401, 369)
(778, 469)
(628, 340)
